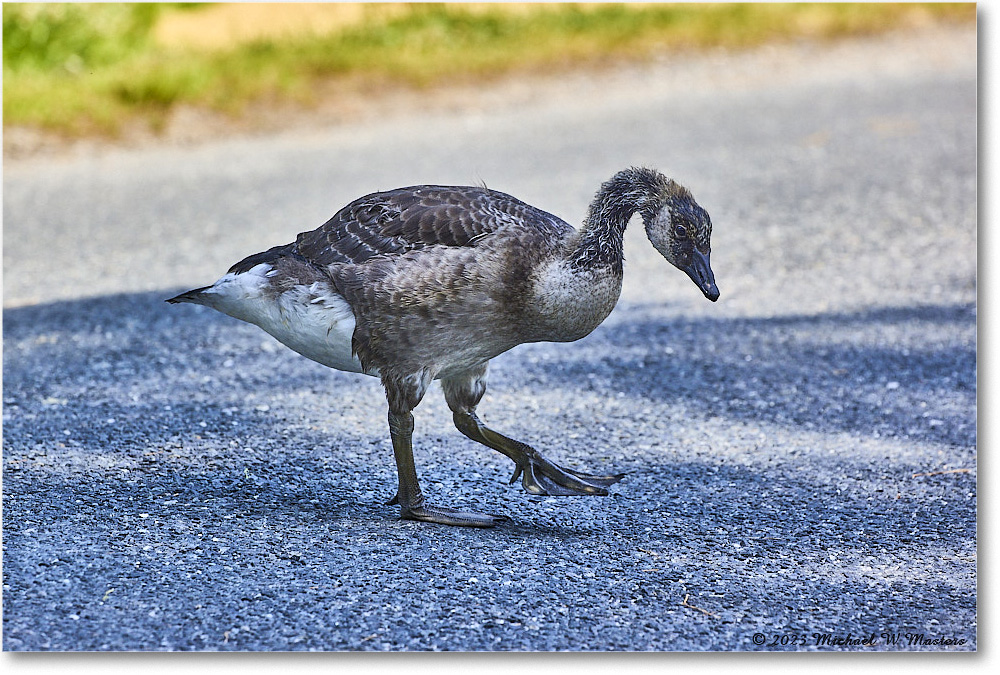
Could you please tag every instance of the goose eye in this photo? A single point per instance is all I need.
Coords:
(679, 230)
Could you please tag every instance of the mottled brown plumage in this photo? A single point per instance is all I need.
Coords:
(431, 282)
(439, 258)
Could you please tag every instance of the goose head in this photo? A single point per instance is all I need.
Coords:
(682, 232)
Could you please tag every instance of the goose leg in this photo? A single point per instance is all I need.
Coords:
(409, 497)
(539, 476)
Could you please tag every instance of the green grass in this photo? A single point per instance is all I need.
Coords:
(83, 69)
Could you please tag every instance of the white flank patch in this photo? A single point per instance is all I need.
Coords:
(312, 320)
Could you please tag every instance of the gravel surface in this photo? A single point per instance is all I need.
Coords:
(801, 455)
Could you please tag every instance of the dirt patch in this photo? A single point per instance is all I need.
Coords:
(226, 25)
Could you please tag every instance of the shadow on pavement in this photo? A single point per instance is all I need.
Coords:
(895, 371)
(137, 458)
(190, 395)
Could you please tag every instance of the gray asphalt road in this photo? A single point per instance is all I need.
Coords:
(801, 454)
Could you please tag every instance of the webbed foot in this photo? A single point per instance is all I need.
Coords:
(447, 516)
(539, 476)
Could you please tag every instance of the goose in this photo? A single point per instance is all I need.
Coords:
(430, 282)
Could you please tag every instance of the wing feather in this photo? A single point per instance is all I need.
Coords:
(394, 222)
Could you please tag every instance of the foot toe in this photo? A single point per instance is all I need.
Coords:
(596, 480)
(542, 483)
(542, 477)
(447, 516)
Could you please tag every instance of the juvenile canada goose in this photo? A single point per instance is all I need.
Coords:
(431, 282)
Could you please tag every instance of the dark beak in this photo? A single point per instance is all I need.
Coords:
(701, 274)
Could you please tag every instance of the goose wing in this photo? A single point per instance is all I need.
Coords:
(394, 222)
